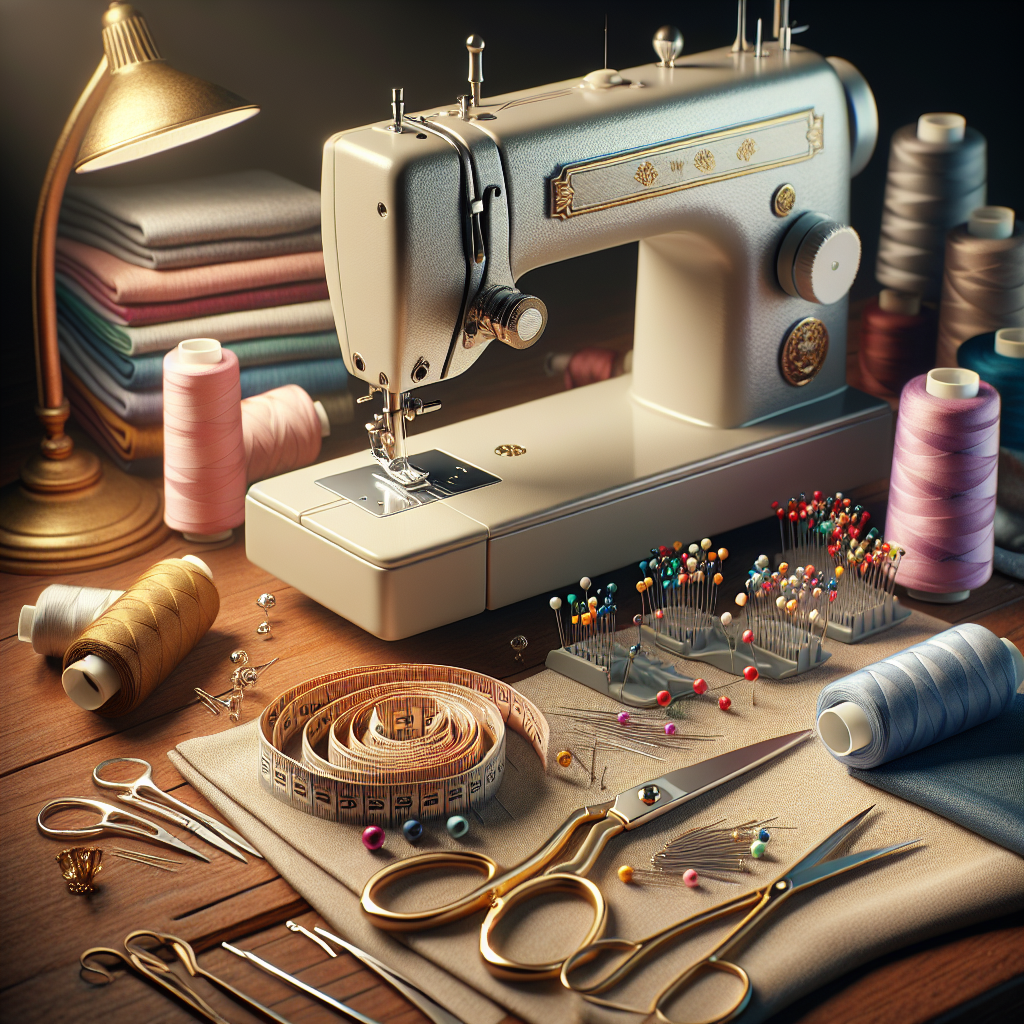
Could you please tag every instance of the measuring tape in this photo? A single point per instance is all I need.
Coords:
(384, 744)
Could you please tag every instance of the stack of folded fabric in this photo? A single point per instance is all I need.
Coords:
(235, 257)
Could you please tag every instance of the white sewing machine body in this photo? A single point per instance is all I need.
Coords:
(689, 160)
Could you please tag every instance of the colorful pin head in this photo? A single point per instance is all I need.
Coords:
(373, 837)
(664, 698)
(724, 703)
(700, 686)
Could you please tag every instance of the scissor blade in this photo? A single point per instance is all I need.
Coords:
(819, 872)
(826, 846)
(684, 784)
(167, 802)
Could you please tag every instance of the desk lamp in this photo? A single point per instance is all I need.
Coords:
(70, 511)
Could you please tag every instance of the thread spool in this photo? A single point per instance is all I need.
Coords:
(998, 357)
(282, 430)
(958, 679)
(942, 489)
(60, 614)
(123, 656)
(897, 341)
(936, 176)
(204, 452)
(983, 281)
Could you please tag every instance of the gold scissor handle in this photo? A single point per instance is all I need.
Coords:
(641, 949)
(407, 921)
(690, 976)
(495, 885)
(512, 970)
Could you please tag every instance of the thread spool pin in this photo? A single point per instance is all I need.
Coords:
(265, 602)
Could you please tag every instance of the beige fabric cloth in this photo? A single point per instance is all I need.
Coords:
(953, 879)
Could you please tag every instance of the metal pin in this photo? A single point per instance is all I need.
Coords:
(758, 51)
(475, 46)
(397, 109)
(741, 45)
(147, 856)
(292, 926)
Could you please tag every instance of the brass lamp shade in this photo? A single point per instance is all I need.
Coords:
(150, 107)
(70, 512)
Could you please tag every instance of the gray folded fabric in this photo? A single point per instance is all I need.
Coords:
(272, 321)
(201, 220)
(317, 376)
(952, 879)
(242, 204)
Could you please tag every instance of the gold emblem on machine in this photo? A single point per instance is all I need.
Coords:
(804, 351)
(609, 181)
(748, 147)
(784, 200)
(646, 174)
(510, 451)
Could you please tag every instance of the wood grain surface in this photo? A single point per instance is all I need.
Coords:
(49, 748)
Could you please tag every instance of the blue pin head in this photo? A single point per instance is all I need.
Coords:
(612, 588)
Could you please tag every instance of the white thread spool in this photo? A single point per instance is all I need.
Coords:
(60, 614)
(991, 222)
(90, 682)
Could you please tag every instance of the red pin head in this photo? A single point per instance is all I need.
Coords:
(699, 686)
(748, 636)
(750, 673)
(724, 703)
(664, 698)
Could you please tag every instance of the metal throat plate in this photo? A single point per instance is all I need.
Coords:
(369, 486)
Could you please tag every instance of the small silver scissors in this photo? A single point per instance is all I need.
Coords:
(136, 791)
(112, 819)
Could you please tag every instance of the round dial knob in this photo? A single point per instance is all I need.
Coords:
(516, 319)
(819, 259)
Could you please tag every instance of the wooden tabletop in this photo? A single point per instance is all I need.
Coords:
(50, 747)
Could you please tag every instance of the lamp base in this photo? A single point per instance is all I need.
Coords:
(75, 514)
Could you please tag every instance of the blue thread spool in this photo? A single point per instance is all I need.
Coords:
(412, 830)
(920, 696)
(457, 826)
(994, 358)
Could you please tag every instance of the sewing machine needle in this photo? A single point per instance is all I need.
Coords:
(315, 993)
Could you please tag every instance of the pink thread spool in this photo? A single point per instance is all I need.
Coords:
(282, 430)
(204, 454)
(942, 491)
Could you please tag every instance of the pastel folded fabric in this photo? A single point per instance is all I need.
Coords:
(118, 437)
(234, 216)
(110, 278)
(189, 309)
(317, 376)
(275, 321)
(975, 778)
(143, 373)
(201, 254)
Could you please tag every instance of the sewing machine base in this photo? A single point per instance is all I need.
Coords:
(590, 479)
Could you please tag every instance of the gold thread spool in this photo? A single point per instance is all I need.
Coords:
(146, 633)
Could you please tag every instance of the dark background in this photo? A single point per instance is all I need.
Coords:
(318, 66)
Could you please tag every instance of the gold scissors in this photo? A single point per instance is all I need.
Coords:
(757, 903)
(543, 872)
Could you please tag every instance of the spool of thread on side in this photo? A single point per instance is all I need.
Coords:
(958, 679)
(142, 637)
(936, 176)
(60, 614)
(942, 490)
(204, 452)
(282, 430)
(983, 279)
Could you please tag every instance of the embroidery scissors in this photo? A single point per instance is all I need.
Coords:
(144, 792)
(756, 903)
(112, 819)
(543, 872)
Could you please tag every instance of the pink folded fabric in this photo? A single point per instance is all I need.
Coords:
(127, 284)
(83, 285)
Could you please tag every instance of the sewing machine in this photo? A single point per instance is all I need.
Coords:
(731, 168)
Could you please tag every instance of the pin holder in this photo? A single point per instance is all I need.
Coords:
(634, 679)
(726, 652)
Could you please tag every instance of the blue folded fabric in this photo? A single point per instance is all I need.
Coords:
(144, 373)
(316, 376)
(975, 778)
